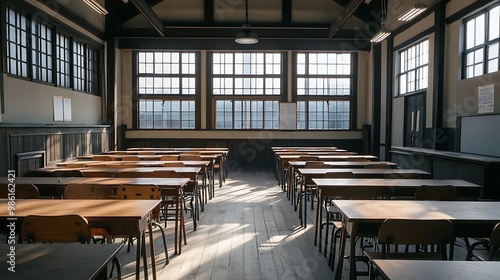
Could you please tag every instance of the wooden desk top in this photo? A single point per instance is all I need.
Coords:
(121, 169)
(147, 157)
(57, 261)
(40, 180)
(361, 171)
(437, 270)
(160, 182)
(379, 210)
(346, 163)
(147, 163)
(331, 157)
(88, 208)
(340, 183)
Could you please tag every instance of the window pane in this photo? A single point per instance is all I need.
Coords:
(494, 24)
(414, 74)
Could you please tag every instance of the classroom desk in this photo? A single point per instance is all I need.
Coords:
(58, 261)
(50, 187)
(363, 218)
(168, 187)
(118, 217)
(437, 270)
(307, 173)
(399, 187)
(295, 165)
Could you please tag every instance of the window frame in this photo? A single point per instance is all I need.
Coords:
(408, 70)
(54, 70)
(484, 46)
(249, 98)
(196, 97)
(351, 98)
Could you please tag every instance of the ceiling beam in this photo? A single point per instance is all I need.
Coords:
(344, 15)
(150, 15)
(365, 12)
(209, 11)
(127, 11)
(286, 11)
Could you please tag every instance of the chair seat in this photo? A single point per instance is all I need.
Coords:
(405, 256)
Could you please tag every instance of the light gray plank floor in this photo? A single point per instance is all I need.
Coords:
(248, 230)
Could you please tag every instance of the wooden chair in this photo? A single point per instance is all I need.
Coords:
(169, 157)
(103, 158)
(396, 232)
(361, 193)
(174, 164)
(87, 191)
(151, 192)
(67, 173)
(22, 191)
(127, 174)
(131, 158)
(378, 165)
(64, 228)
(426, 192)
(187, 157)
(492, 244)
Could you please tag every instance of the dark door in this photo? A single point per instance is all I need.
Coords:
(414, 120)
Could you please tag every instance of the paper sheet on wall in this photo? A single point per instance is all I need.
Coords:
(288, 116)
(58, 109)
(67, 109)
(486, 99)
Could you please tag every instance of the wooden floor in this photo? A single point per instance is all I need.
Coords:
(248, 231)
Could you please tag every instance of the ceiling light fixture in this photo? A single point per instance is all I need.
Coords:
(96, 6)
(413, 12)
(384, 32)
(246, 36)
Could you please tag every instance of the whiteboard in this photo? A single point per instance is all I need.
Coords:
(288, 116)
(480, 135)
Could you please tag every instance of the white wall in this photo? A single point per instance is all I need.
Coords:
(29, 102)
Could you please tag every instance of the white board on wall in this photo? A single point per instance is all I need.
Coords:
(288, 116)
(480, 135)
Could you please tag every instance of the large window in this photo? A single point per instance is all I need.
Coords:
(413, 75)
(166, 88)
(324, 91)
(482, 41)
(17, 43)
(246, 88)
(32, 54)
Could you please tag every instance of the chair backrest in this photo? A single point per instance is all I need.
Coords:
(65, 228)
(103, 174)
(103, 157)
(67, 173)
(131, 158)
(174, 164)
(421, 232)
(189, 157)
(22, 191)
(165, 174)
(308, 158)
(169, 157)
(427, 192)
(126, 174)
(378, 165)
(359, 193)
(343, 174)
(402, 176)
(494, 242)
(85, 191)
(316, 164)
(140, 192)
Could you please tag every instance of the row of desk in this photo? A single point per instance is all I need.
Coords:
(119, 217)
(362, 218)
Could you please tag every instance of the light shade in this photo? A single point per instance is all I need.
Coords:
(381, 35)
(96, 6)
(413, 12)
(246, 36)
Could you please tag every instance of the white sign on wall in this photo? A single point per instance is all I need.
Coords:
(486, 99)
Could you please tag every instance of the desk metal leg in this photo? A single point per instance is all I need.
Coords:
(144, 257)
(138, 257)
(152, 250)
(340, 263)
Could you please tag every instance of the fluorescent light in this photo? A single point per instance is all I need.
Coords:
(246, 36)
(413, 12)
(96, 6)
(381, 35)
